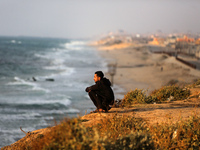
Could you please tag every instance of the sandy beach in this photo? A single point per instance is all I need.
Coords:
(138, 68)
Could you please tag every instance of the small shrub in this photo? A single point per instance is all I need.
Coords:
(196, 83)
(118, 126)
(139, 96)
(165, 92)
(70, 134)
(133, 141)
(182, 135)
(134, 97)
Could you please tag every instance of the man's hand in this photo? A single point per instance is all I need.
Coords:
(88, 89)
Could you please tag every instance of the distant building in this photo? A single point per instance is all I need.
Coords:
(170, 41)
(197, 41)
(197, 54)
(185, 39)
(157, 41)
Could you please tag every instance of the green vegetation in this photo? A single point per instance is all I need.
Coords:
(133, 97)
(120, 132)
(182, 135)
(195, 84)
(165, 93)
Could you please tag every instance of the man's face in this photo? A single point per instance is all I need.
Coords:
(96, 78)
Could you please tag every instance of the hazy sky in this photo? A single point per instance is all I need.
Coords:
(88, 18)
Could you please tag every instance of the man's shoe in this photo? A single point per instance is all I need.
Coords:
(102, 110)
(95, 111)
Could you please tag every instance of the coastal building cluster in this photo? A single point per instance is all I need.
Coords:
(187, 44)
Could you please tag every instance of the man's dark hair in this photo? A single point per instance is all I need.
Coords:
(99, 74)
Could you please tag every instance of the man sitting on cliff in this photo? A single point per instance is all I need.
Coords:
(101, 93)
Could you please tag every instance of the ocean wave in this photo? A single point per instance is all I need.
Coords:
(62, 71)
(37, 108)
(14, 41)
(64, 102)
(57, 62)
(13, 131)
(35, 87)
(25, 116)
(75, 45)
(54, 54)
(42, 56)
(19, 81)
(70, 111)
(38, 104)
(55, 67)
(67, 71)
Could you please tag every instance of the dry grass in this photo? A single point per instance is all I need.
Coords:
(110, 133)
(185, 134)
(120, 132)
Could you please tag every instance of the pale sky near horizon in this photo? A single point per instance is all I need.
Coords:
(88, 18)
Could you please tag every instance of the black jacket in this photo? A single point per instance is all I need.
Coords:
(103, 89)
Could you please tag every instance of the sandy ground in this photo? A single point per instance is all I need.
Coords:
(139, 68)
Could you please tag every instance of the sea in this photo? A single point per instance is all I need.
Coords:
(43, 81)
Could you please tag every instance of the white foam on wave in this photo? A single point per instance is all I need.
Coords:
(65, 71)
(55, 98)
(70, 110)
(78, 43)
(14, 41)
(54, 54)
(34, 85)
(17, 116)
(42, 56)
(56, 64)
(37, 88)
(75, 45)
(19, 81)
(58, 61)
(58, 58)
(63, 101)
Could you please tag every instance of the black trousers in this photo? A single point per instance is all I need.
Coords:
(99, 101)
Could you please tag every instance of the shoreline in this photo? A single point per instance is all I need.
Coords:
(137, 67)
